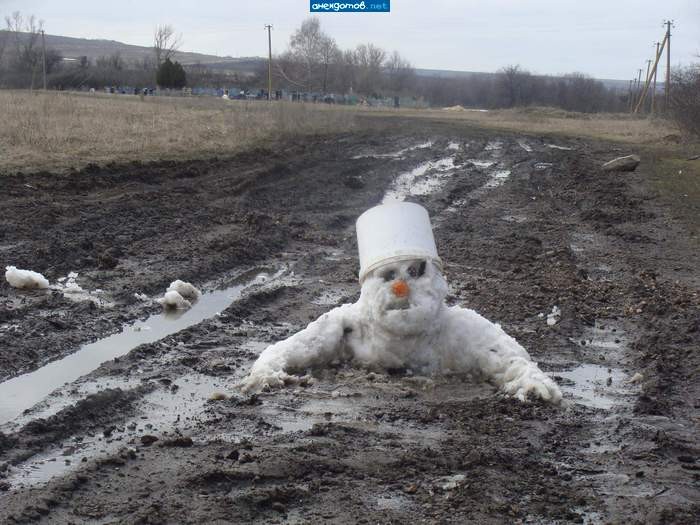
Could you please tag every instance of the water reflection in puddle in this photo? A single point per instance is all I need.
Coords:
(161, 412)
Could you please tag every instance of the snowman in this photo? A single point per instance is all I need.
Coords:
(401, 320)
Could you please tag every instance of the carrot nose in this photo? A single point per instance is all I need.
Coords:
(400, 289)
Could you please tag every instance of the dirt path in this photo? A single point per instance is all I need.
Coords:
(523, 227)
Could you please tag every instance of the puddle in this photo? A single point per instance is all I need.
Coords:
(498, 178)
(514, 218)
(595, 386)
(160, 413)
(393, 502)
(599, 385)
(418, 182)
(23, 392)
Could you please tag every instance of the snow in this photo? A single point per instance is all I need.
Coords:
(525, 146)
(553, 316)
(186, 290)
(408, 183)
(172, 300)
(141, 296)
(419, 332)
(25, 279)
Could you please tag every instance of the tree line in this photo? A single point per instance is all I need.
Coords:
(23, 53)
(314, 63)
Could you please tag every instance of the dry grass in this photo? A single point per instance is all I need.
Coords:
(60, 130)
(622, 127)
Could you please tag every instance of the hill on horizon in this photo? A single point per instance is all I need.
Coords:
(74, 48)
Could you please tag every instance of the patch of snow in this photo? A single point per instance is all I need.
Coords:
(453, 146)
(415, 182)
(543, 165)
(494, 145)
(186, 290)
(172, 300)
(396, 154)
(25, 279)
(141, 296)
(497, 179)
(554, 146)
(481, 163)
(553, 316)
(525, 146)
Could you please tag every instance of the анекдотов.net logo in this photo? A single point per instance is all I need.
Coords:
(371, 6)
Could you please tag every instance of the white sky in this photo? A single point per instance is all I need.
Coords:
(603, 38)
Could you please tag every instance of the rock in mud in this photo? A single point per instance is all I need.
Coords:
(148, 439)
(628, 163)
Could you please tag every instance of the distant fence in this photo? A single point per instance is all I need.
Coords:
(233, 92)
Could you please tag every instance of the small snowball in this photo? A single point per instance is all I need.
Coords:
(26, 279)
(186, 290)
(553, 317)
(174, 301)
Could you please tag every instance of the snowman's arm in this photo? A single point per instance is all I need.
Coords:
(318, 343)
(478, 344)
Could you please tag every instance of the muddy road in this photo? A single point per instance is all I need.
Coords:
(113, 413)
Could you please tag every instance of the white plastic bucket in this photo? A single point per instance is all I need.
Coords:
(393, 232)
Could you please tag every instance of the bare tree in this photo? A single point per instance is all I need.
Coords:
(24, 34)
(165, 43)
(514, 83)
(368, 60)
(400, 74)
(328, 54)
(305, 47)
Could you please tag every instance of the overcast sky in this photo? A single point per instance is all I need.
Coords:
(603, 38)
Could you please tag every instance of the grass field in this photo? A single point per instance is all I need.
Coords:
(60, 130)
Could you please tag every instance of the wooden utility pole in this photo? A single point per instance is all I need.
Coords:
(653, 72)
(630, 98)
(647, 78)
(43, 56)
(653, 90)
(668, 24)
(269, 61)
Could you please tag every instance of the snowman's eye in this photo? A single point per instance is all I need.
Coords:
(417, 270)
(389, 275)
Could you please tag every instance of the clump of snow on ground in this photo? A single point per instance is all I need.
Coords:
(70, 286)
(172, 300)
(25, 279)
(186, 290)
(141, 297)
(553, 316)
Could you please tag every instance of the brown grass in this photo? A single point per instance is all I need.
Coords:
(60, 130)
(620, 127)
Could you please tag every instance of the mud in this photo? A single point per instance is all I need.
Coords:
(159, 434)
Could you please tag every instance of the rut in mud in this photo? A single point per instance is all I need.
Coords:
(522, 226)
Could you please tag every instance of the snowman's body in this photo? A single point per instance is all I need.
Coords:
(402, 321)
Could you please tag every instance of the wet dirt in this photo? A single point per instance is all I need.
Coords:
(161, 435)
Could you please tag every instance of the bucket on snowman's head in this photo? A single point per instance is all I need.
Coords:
(398, 231)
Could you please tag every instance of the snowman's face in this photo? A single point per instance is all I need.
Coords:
(405, 297)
